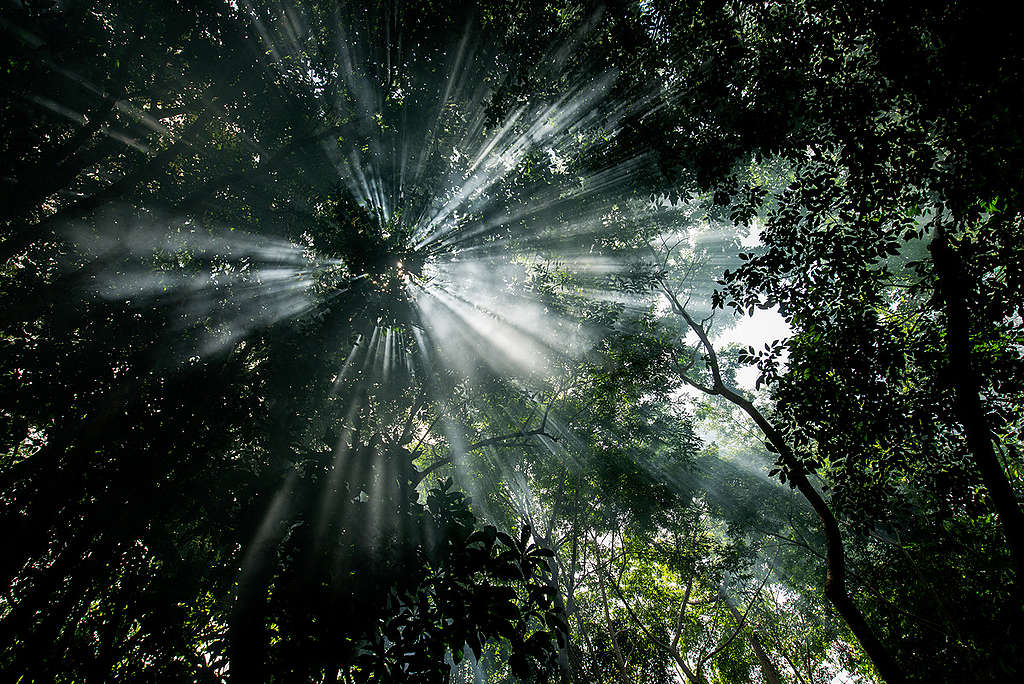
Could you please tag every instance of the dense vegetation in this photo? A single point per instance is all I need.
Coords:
(351, 341)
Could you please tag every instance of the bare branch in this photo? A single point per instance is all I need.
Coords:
(739, 625)
(539, 432)
(421, 401)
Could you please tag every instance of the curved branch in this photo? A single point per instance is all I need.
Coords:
(447, 460)
(835, 563)
(739, 623)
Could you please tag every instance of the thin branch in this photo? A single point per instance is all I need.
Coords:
(421, 401)
(798, 543)
(539, 432)
(427, 432)
(740, 623)
(682, 612)
(674, 654)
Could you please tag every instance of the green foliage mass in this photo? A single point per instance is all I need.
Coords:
(389, 342)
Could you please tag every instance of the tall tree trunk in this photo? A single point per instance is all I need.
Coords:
(835, 560)
(835, 556)
(963, 373)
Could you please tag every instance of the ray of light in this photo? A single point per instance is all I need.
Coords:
(332, 490)
(345, 373)
(519, 319)
(80, 118)
(225, 286)
(505, 151)
(463, 329)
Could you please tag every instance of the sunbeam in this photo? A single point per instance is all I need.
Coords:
(576, 341)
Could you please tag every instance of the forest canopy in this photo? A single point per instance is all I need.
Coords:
(658, 341)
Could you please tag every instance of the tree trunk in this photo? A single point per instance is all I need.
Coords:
(835, 561)
(835, 558)
(963, 373)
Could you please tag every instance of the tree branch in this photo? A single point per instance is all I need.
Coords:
(539, 432)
